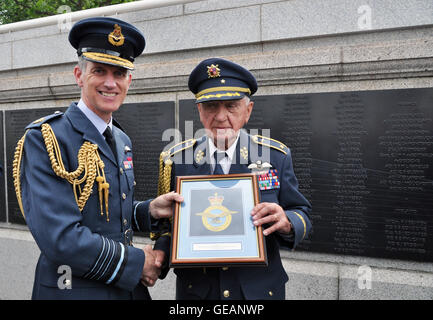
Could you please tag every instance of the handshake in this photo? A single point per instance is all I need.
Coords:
(152, 266)
(161, 207)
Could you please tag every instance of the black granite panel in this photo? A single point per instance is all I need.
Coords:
(145, 124)
(15, 123)
(363, 159)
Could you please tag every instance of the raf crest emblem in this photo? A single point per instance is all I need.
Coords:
(216, 217)
(116, 37)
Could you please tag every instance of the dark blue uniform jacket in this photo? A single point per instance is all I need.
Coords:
(246, 282)
(103, 262)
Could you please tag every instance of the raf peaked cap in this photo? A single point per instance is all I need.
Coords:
(219, 79)
(107, 40)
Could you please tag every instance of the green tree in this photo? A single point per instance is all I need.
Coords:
(19, 10)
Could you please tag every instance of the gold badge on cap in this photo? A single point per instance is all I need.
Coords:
(116, 37)
(213, 71)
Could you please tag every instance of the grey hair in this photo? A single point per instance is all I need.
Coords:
(82, 64)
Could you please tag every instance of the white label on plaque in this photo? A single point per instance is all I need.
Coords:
(216, 246)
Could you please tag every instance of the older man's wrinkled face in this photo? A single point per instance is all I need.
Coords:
(223, 119)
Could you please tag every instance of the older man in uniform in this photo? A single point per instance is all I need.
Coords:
(223, 90)
(75, 183)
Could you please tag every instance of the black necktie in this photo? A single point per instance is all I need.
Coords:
(110, 141)
(218, 157)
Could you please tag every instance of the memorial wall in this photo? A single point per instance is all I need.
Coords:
(363, 159)
(346, 85)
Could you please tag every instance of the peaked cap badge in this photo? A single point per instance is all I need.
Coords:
(116, 37)
(213, 71)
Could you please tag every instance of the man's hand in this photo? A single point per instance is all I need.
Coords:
(159, 257)
(272, 214)
(152, 266)
(162, 207)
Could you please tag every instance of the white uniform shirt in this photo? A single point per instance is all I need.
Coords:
(100, 124)
(225, 162)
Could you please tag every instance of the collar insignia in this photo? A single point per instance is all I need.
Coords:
(244, 153)
(199, 155)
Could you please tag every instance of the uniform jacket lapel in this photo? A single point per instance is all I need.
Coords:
(120, 144)
(202, 163)
(82, 124)
(241, 159)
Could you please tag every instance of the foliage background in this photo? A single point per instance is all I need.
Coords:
(19, 10)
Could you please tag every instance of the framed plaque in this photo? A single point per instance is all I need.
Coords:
(213, 225)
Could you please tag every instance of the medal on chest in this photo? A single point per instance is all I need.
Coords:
(128, 163)
(269, 180)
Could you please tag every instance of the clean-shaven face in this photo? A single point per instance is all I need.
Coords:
(103, 87)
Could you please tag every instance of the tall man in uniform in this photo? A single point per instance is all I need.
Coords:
(75, 183)
(223, 90)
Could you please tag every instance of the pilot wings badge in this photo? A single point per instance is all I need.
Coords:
(216, 217)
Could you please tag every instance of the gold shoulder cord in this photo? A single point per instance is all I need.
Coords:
(165, 164)
(90, 168)
(278, 145)
(16, 171)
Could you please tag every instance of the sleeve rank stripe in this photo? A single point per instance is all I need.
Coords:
(114, 263)
(135, 216)
(120, 265)
(90, 274)
(109, 251)
(110, 262)
(303, 222)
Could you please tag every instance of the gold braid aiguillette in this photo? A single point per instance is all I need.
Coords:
(90, 168)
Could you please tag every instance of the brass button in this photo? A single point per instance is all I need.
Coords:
(123, 196)
(135, 183)
(121, 170)
(226, 293)
(271, 293)
(225, 268)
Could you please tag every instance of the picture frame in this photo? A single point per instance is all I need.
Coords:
(213, 225)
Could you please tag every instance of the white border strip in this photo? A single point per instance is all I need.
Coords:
(103, 11)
